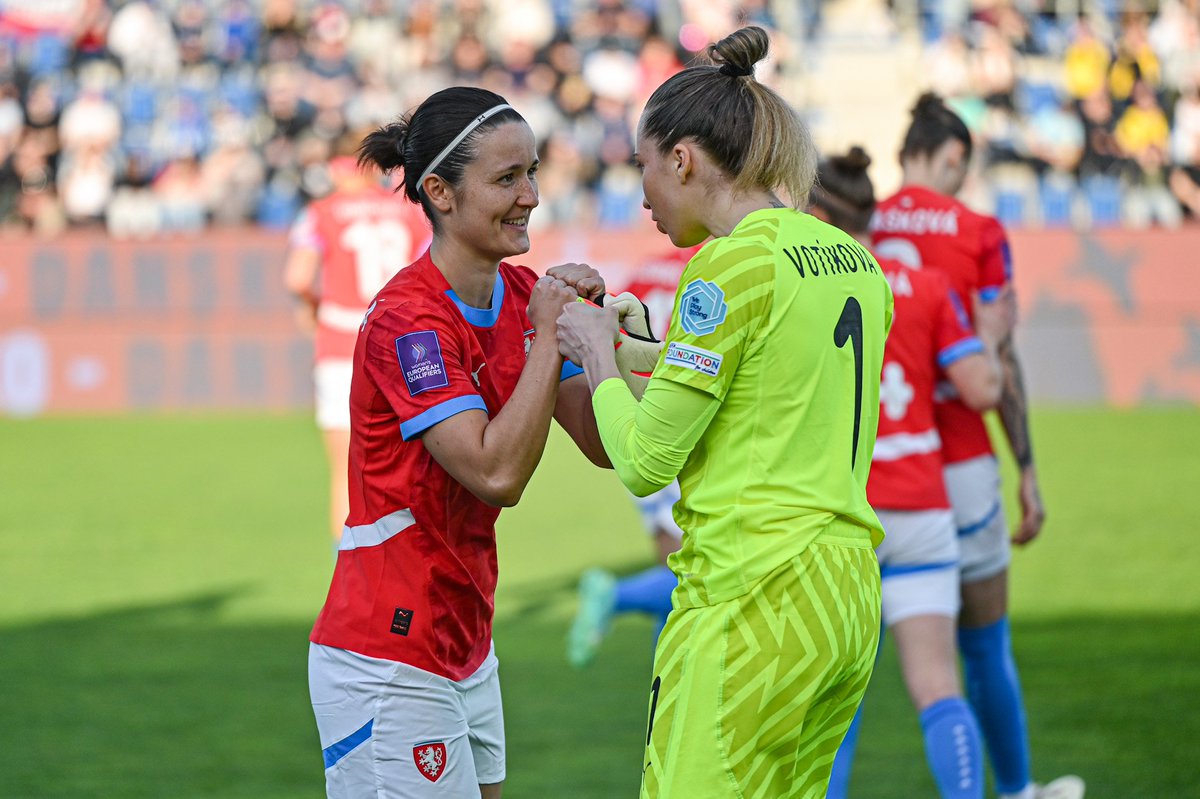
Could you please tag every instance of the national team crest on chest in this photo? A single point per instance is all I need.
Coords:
(420, 356)
(430, 758)
(702, 308)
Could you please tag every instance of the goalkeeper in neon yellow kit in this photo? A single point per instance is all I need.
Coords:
(764, 401)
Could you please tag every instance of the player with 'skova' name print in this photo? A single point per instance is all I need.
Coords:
(925, 227)
(931, 340)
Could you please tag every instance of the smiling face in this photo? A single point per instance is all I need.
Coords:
(497, 192)
(665, 192)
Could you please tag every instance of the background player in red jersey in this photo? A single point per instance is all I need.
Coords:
(344, 247)
(923, 225)
(931, 338)
(456, 377)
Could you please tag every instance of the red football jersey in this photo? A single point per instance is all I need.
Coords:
(364, 237)
(655, 283)
(922, 228)
(415, 578)
(930, 331)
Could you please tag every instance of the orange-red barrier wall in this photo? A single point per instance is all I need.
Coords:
(91, 325)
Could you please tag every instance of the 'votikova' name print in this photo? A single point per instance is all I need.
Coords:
(816, 260)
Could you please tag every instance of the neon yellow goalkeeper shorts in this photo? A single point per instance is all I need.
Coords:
(752, 697)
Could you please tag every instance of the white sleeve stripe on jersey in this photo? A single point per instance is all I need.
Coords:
(901, 445)
(372, 535)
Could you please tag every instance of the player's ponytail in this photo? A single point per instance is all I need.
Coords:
(438, 137)
(933, 124)
(747, 128)
(384, 148)
(844, 190)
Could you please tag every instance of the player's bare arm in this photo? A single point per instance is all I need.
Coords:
(1014, 414)
(300, 279)
(586, 335)
(495, 459)
(574, 413)
(979, 379)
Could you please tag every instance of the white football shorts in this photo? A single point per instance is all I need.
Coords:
(983, 542)
(331, 378)
(655, 511)
(918, 562)
(392, 731)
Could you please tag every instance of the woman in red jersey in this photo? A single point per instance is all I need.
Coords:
(456, 377)
(924, 226)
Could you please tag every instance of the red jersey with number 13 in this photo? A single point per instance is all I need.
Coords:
(926, 230)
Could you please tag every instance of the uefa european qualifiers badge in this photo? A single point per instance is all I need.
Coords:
(702, 308)
(421, 361)
(430, 758)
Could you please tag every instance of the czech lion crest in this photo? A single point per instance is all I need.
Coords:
(430, 758)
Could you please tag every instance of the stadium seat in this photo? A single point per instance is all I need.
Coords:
(139, 103)
(240, 94)
(1056, 194)
(278, 206)
(1010, 207)
(49, 55)
(1103, 193)
(1034, 97)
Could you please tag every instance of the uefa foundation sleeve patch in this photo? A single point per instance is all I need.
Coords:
(421, 361)
(694, 358)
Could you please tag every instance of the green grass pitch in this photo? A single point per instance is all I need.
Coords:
(159, 577)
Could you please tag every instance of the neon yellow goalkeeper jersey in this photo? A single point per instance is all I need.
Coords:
(784, 322)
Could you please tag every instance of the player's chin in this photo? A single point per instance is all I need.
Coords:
(516, 239)
(683, 239)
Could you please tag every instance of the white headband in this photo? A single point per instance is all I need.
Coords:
(449, 148)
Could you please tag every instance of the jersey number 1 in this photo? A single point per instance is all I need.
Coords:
(849, 327)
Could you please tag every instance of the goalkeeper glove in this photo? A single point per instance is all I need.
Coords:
(637, 350)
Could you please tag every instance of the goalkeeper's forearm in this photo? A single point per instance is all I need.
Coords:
(648, 442)
(599, 364)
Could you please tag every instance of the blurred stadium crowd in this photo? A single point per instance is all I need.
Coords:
(1092, 118)
(148, 116)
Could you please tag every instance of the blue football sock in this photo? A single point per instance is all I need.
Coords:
(953, 749)
(995, 694)
(839, 779)
(647, 592)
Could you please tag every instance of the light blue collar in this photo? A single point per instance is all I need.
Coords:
(481, 317)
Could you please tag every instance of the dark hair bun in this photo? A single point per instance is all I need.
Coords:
(738, 52)
(385, 147)
(928, 103)
(853, 163)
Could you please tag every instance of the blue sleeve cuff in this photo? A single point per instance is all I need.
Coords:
(989, 294)
(959, 350)
(569, 370)
(440, 413)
